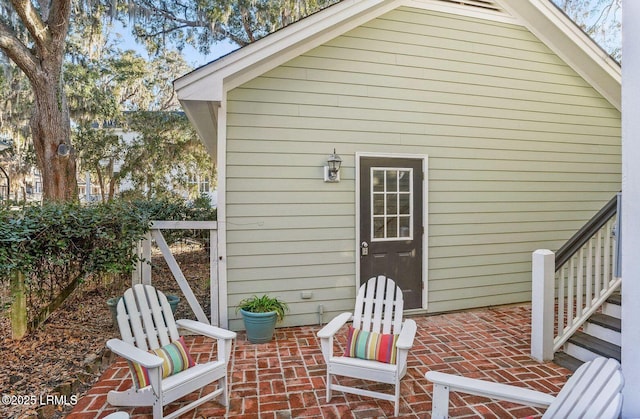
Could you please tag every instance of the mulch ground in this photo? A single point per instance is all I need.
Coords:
(44, 374)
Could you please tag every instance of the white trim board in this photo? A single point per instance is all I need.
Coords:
(223, 314)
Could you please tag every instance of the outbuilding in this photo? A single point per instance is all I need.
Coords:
(470, 133)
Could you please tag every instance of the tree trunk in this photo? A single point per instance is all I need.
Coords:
(100, 182)
(112, 187)
(50, 127)
(47, 26)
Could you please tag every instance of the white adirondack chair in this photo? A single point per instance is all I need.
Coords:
(146, 322)
(594, 391)
(378, 309)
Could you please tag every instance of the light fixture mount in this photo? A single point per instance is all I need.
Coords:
(332, 170)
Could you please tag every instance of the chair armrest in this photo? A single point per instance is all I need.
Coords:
(490, 389)
(334, 325)
(133, 353)
(407, 334)
(206, 329)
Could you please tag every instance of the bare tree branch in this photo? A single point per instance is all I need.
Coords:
(218, 29)
(173, 17)
(17, 51)
(246, 23)
(166, 31)
(58, 20)
(33, 23)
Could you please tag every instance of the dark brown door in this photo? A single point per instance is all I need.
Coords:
(391, 226)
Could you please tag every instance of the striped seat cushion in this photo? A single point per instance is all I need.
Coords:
(175, 356)
(371, 345)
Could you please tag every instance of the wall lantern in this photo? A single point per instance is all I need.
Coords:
(332, 171)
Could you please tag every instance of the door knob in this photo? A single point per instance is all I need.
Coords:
(364, 249)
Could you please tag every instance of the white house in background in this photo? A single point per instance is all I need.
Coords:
(471, 133)
(88, 191)
(31, 188)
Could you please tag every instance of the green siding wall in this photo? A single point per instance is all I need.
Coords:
(522, 151)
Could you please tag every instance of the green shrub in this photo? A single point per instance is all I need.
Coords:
(93, 239)
(58, 245)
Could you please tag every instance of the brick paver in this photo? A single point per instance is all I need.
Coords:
(286, 377)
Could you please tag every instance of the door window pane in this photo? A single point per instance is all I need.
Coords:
(378, 204)
(392, 227)
(391, 203)
(404, 181)
(405, 226)
(378, 228)
(392, 180)
(405, 204)
(377, 181)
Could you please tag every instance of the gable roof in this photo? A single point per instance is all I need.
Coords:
(203, 90)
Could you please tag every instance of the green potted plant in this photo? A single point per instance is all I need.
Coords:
(260, 315)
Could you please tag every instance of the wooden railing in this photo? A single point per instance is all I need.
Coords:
(570, 286)
(142, 274)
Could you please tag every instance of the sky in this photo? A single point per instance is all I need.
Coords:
(192, 56)
(197, 59)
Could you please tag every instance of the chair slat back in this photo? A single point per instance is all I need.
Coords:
(145, 318)
(379, 306)
(593, 391)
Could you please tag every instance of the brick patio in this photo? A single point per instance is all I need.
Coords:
(286, 378)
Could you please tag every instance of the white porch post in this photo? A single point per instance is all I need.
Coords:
(223, 300)
(631, 207)
(542, 304)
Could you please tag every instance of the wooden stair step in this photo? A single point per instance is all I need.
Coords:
(615, 298)
(595, 345)
(606, 321)
(567, 361)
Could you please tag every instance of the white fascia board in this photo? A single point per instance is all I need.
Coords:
(204, 117)
(571, 44)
